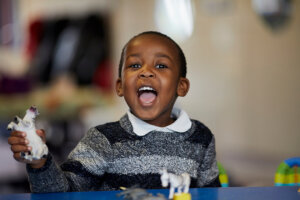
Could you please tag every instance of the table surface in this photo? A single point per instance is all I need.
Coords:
(230, 193)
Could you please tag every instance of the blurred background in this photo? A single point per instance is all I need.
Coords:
(243, 64)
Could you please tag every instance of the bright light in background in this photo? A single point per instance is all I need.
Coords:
(175, 18)
(266, 6)
(275, 13)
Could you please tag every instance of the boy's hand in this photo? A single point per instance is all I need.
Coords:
(19, 143)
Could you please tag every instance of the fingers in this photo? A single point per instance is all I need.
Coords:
(34, 163)
(18, 134)
(20, 148)
(17, 138)
(17, 141)
(18, 144)
(42, 134)
(17, 156)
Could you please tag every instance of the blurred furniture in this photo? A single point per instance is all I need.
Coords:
(232, 193)
(288, 173)
(223, 175)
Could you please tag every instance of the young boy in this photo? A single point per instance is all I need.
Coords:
(151, 136)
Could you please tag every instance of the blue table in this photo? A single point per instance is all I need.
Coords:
(230, 193)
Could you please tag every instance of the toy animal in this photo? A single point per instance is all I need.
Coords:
(27, 124)
(176, 181)
(139, 194)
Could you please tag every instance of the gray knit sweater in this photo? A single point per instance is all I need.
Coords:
(111, 155)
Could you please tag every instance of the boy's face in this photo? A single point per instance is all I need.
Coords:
(150, 80)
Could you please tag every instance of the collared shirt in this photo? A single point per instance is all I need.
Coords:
(181, 124)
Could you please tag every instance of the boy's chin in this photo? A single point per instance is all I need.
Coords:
(145, 116)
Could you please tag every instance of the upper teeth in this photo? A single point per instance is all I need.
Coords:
(146, 88)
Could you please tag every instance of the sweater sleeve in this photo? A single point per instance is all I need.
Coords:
(49, 178)
(209, 172)
(81, 172)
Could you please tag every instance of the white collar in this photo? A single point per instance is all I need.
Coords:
(181, 124)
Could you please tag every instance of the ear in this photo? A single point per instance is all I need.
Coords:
(183, 86)
(119, 88)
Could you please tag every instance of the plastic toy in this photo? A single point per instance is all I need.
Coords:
(39, 148)
(139, 194)
(176, 181)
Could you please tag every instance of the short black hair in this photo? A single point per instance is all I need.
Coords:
(182, 59)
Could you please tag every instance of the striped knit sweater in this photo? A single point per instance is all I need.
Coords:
(111, 155)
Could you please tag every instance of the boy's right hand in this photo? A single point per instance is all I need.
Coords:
(19, 143)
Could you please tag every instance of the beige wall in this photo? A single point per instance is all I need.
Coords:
(244, 79)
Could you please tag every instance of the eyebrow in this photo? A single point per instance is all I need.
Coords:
(133, 55)
(157, 54)
(164, 56)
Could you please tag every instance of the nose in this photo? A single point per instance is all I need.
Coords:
(146, 72)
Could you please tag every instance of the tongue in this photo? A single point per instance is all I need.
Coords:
(147, 97)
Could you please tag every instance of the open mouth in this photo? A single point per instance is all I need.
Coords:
(34, 110)
(147, 94)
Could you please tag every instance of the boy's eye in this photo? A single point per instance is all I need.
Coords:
(135, 66)
(161, 66)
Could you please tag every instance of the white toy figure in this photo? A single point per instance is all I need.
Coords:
(39, 148)
(176, 181)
